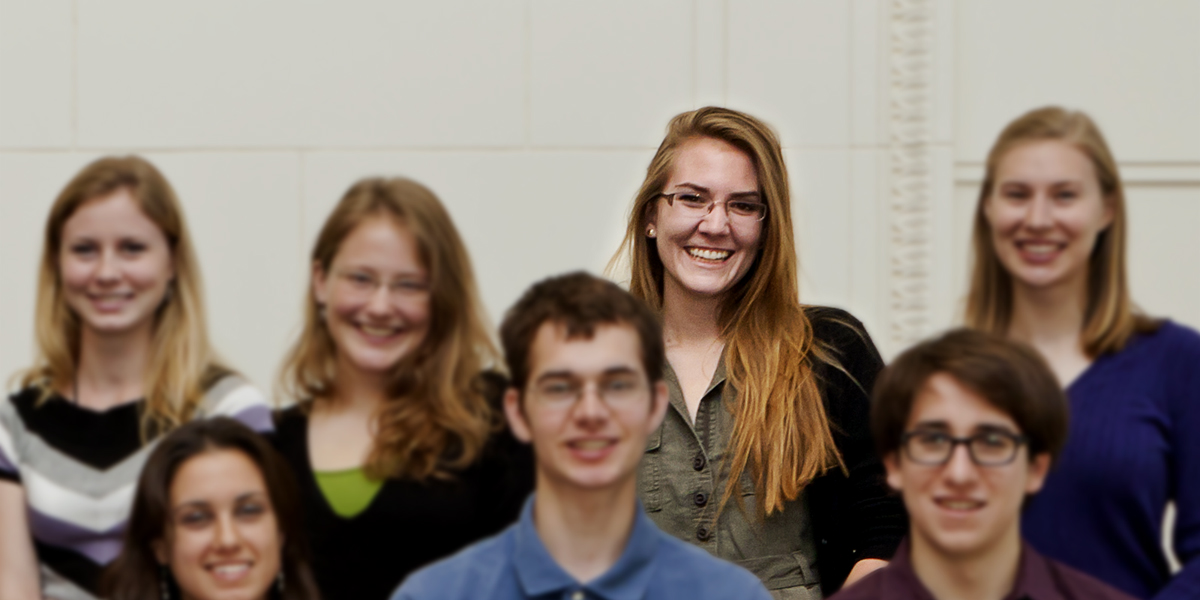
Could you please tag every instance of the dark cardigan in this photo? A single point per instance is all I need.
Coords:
(854, 517)
(408, 524)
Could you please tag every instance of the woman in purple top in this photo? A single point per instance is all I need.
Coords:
(1049, 270)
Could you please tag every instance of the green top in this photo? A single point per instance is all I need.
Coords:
(348, 492)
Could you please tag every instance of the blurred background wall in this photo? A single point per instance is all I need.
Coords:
(534, 121)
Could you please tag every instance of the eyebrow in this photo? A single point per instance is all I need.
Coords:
(199, 503)
(700, 188)
(979, 428)
(615, 370)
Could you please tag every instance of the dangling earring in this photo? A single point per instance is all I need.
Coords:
(162, 582)
(651, 232)
(279, 581)
(321, 312)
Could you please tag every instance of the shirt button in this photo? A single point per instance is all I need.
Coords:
(703, 534)
(700, 499)
(578, 595)
(699, 462)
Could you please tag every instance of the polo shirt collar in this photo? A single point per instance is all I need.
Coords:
(1034, 580)
(628, 579)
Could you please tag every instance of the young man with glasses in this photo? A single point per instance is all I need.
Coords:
(586, 360)
(968, 425)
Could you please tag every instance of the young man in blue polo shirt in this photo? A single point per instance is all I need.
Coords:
(586, 360)
(968, 425)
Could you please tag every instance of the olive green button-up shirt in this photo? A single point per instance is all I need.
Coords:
(679, 473)
(683, 473)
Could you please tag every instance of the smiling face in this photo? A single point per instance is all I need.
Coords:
(588, 407)
(961, 509)
(223, 541)
(1045, 212)
(115, 265)
(707, 256)
(376, 296)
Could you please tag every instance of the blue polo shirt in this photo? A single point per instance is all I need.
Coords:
(516, 565)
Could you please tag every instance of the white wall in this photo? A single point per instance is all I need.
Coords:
(534, 121)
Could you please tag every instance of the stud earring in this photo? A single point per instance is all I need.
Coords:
(651, 232)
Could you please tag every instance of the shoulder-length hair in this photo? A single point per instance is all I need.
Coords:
(1110, 317)
(438, 418)
(135, 574)
(182, 363)
(781, 431)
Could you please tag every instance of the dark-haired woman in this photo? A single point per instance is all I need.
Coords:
(1049, 244)
(764, 458)
(123, 358)
(214, 517)
(397, 442)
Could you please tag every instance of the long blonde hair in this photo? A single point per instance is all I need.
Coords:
(1110, 317)
(182, 362)
(438, 417)
(781, 432)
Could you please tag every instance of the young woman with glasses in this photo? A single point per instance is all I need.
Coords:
(397, 440)
(123, 358)
(1049, 270)
(764, 457)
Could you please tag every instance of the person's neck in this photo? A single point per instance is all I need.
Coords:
(112, 368)
(989, 574)
(1049, 319)
(689, 319)
(357, 391)
(585, 531)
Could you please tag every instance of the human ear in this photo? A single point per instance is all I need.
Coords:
(1039, 467)
(160, 551)
(320, 283)
(891, 462)
(515, 416)
(1107, 219)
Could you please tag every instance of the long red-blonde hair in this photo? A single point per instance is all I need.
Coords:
(781, 432)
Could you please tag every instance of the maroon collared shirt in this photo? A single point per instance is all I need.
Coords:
(1038, 578)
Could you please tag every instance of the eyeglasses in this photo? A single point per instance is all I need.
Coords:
(697, 205)
(616, 390)
(407, 288)
(987, 449)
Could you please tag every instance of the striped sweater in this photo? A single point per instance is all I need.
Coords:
(79, 469)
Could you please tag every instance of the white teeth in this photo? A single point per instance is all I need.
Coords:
(960, 504)
(230, 569)
(591, 444)
(1039, 249)
(709, 254)
(377, 331)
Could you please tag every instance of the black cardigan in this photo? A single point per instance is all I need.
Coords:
(408, 524)
(855, 517)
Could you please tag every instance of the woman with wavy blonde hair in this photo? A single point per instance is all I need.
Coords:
(769, 397)
(123, 358)
(396, 440)
(1049, 270)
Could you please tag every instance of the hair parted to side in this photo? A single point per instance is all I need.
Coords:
(781, 431)
(182, 361)
(438, 417)
(1009, 375)
(1110, 317)
(579, 302)
(134, 575)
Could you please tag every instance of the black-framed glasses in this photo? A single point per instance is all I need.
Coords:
(697, 205)
(986, 449)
